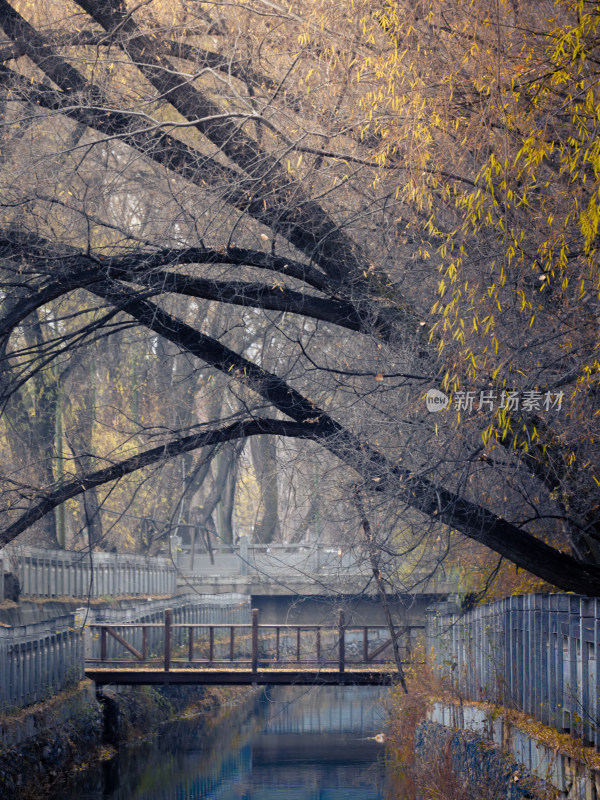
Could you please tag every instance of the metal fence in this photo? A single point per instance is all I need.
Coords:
(70, 573)
(537, 653)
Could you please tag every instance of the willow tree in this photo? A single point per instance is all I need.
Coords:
(505, 168)
(346, 175)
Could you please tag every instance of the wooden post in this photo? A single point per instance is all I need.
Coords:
(254, 639)
(145, 643)
(298, 644)
(211, 644)
(103, 644)
(318, 645)
(365, 645)
(168, 637)
(231, 643)
(191, 643)
(341, 646)
(193, 533)
(277, 631)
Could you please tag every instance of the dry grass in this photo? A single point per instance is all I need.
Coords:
(432, 776)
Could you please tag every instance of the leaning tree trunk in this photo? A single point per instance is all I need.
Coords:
(264, 458)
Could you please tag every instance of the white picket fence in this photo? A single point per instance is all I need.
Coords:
(57, 573)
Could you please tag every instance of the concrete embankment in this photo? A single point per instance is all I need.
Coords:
(483, 771)
(41, 742)
(42, 609)
(522, 758)
(40, 745)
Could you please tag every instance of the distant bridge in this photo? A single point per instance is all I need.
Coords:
(315, 569)
(258, 654)
(297, 583)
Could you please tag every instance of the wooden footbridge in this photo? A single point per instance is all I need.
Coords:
(252, 654)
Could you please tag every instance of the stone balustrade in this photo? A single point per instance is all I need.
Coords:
(68, 573)
(38, 660)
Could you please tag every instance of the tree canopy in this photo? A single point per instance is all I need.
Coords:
(222, 221)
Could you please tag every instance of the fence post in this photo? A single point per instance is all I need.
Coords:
(596, 673)
(168, 637)
(190, 643)
(244, 553)
(254, 639)
(4, 669)
(83, 632)
(341, 647)
(586, 653)
(103, 644)
(1, 578)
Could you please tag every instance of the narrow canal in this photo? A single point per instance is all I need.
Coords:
(295, 744)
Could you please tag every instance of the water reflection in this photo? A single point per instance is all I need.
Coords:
(294, 744)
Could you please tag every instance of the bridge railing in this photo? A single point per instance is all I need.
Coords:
(186, 609)
(243, 646)
(537, 653)
(275, 559)
(347, 568)
(54, 573)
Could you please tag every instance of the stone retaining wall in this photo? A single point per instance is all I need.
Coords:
(503, 740)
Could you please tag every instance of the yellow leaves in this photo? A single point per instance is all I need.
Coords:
(525, 304)
(588, 222)
(459, 336)
(487, 434)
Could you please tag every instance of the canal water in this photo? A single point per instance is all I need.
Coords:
(309, 743)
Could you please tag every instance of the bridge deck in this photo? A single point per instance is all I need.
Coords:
(374, 676)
